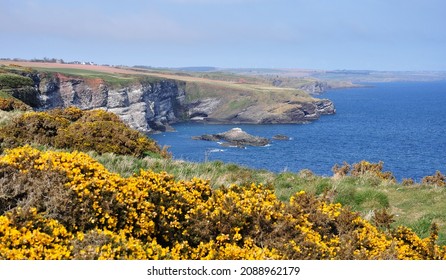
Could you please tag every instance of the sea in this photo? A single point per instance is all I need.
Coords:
(402, 124)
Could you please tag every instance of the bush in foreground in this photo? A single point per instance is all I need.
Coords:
(74, 129)
(153, 216)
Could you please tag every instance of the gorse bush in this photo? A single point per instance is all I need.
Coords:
(438, 179)
(75, 129)
(363, 168)
(61, 205)
(11, 104)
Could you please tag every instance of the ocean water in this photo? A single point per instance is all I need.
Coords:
(402, 124)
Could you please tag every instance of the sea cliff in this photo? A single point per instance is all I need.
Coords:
(151, 105)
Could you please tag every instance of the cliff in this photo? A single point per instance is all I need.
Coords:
(152, 104)
(145, 106)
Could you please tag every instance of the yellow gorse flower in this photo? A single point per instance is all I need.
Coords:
(152, 216)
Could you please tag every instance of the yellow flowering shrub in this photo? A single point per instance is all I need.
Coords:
(363, 168)
(236, 212)
(110, 245)
(65, 205)
(72, 128)
(89, 189)
(438, 179)
(172, 203)
(375, 169)
(10, 104)
(221, 250)
(27, 235)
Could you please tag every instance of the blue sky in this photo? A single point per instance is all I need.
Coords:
(310, 34)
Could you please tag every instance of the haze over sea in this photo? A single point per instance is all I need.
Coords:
(402, 124)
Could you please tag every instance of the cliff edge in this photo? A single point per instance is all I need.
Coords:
(151, 104)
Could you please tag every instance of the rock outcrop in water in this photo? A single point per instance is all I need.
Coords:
(281, 137)
(235, 137)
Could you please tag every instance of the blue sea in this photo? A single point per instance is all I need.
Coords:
(402, 124)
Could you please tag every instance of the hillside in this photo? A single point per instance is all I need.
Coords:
(152, 99)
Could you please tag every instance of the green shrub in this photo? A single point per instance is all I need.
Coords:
(40, 128)
(13, 81)
(71, 128)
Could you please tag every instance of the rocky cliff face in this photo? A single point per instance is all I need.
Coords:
(145, 106)
(316, 87)
(152, 106)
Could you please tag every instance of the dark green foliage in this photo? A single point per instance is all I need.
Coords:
(104, 133)
(13, 81)
(20, 87)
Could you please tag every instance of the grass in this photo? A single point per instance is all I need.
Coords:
(111, 79)
(4, 94)
(217, 172)
(6, 117)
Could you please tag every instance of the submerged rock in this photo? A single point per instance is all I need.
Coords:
(236, 137)
(281, 137)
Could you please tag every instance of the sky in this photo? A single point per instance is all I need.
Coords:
(407, 35)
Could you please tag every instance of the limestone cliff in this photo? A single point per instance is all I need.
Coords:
(152, 105)
(145, 106)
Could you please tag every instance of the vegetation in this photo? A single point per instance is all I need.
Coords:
(10, 103)
(66, 205)
(363, 193)
(72, 128)
(59, 205)
(115, 80)
(8, 81)
(15, 87)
